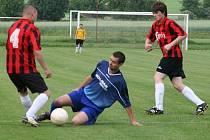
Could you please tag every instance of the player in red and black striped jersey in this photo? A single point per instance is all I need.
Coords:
(23, 46)
(169, 34)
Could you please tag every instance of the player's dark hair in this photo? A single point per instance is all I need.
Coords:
(120, 56)
(159, 6)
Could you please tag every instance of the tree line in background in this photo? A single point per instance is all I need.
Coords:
(197, 9)
(47, 9)
(55, 9)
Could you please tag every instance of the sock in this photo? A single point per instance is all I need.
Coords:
(77, 49)
(26, 101)
(37, 104)
(80, 50)
(189, 94)
(159, 94)
(54, 105)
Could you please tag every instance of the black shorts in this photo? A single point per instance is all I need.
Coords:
(171, 67)
(79, 41)
(33, 81)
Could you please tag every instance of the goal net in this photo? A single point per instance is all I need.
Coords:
(112, 28)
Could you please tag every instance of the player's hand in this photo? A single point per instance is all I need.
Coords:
(148, 47)
(48, 73)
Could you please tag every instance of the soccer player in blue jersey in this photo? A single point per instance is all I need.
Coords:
(98, 91)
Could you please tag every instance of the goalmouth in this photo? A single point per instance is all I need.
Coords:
(185, 18)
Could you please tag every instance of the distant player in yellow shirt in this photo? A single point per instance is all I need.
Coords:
(80, 37)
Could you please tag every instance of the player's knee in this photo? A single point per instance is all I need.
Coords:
(178, 87)
(48, 93)
(23, 93)
(57, 103)
(158, 79)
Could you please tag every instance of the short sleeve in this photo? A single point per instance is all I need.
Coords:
(124, 97)
(177, 29)
(35, 38)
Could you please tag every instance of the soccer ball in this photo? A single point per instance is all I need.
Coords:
(59, 116)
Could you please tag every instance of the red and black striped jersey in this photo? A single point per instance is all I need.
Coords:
(165, 32)
(23, 39)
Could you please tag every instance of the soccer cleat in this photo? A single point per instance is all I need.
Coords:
(43, 116)
(154, 111)
(30, 120)
(33, 122)
(24, 120)
(201, 108)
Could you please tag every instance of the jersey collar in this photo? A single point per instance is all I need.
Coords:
(114, 74)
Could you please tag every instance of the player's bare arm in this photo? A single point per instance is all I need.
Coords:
(131, 116)
(44, 66)
(173, 43)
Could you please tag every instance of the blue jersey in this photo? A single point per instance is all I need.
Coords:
(106, 88)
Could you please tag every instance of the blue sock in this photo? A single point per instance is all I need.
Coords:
(53, 107)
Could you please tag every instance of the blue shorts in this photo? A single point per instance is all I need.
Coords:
(82, 103)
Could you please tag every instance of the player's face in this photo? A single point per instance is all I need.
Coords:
(114, 63)
(158, 15)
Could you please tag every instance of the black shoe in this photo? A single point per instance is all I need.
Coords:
(201, 108)
(43, 116)
(154, 111)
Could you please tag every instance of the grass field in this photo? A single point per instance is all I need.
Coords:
(178, 122)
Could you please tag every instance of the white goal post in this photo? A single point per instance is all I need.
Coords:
(10, 17)
(78, 13)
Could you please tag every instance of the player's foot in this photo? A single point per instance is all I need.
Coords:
(43, 116)
(154, 111)
(31, 121)
(24, 120)
(201, 108)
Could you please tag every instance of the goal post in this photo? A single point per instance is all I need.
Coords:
(79, 13)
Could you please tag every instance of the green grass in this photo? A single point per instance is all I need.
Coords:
(178, 122)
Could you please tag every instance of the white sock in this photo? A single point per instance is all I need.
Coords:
(26, 101)
(80, 50)
(191, 96)
(37, 104)
(77, 49)
(159, 94)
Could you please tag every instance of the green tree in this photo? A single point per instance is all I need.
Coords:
(206, 6)
(206, 3)
(11, 8)
(194, 7)
(112, 5)
(87, 5)
(50, 9)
